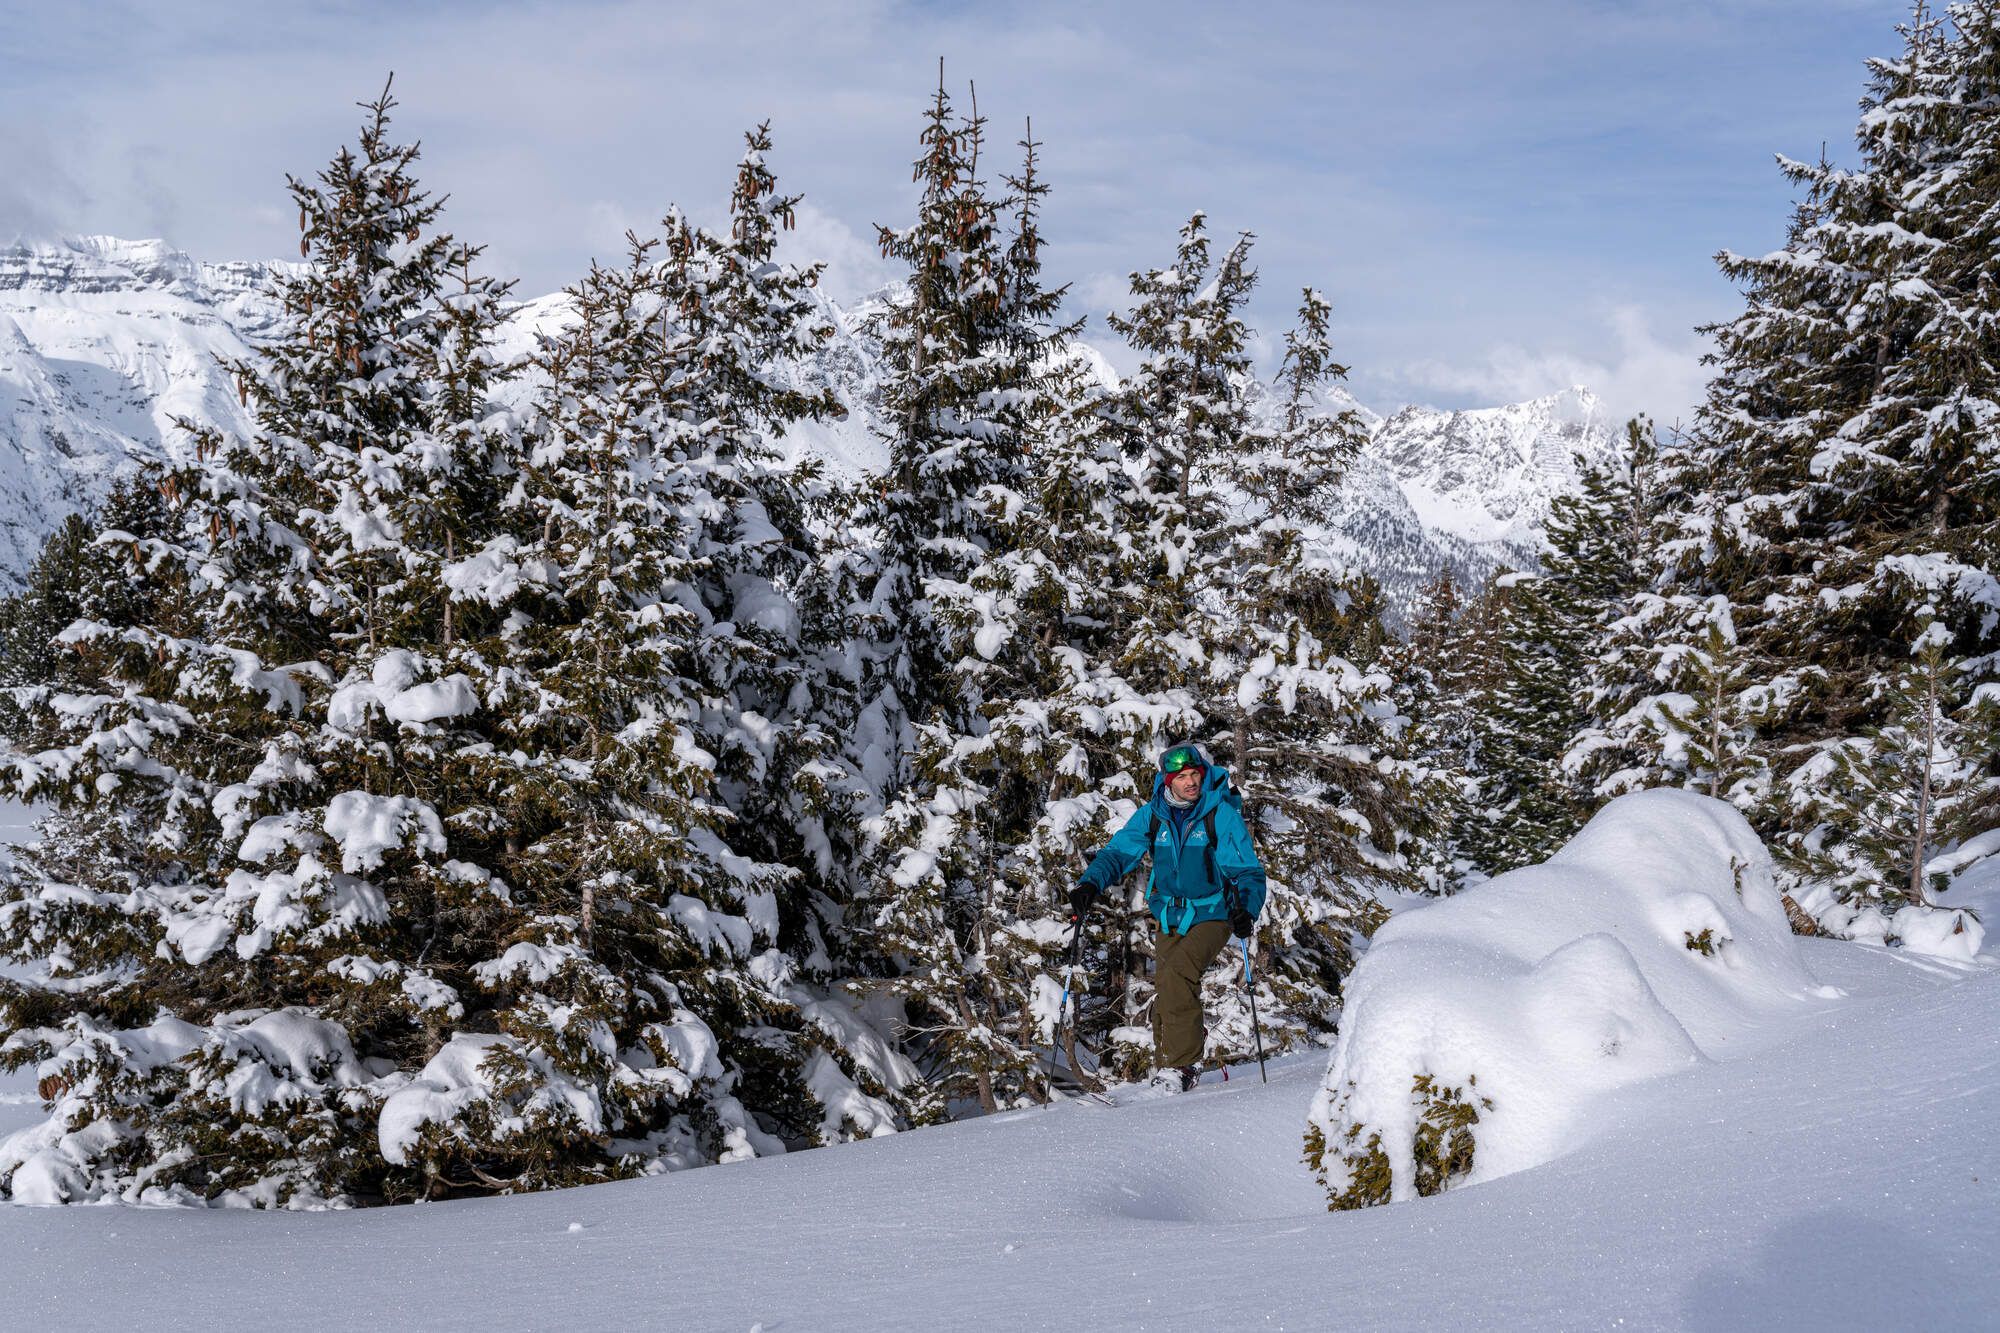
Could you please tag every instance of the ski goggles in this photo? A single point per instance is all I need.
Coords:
(1180, 757)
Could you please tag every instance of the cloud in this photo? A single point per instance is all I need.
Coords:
(854, 265)
(1472, 185)
(1635, 369)
(39, 197)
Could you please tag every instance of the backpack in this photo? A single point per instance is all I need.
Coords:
(1186, 906)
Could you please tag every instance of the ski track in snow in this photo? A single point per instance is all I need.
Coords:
(1840, 1171)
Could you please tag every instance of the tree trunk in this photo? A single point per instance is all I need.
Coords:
(1715, 733)
(1915, 892)
(447, 593)
(984, 1080)
(1089, 1082)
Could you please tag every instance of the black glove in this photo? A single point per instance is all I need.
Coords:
(1080, 899)
(1241, 923)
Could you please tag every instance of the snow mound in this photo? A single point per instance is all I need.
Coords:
(1953, 935)
(1477, 1031)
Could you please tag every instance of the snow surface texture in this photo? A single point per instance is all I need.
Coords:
(104, 342)
(1650, 942)
(1836, 1169)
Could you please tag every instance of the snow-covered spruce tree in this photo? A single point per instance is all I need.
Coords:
(1706, 724)
(1437, 670)
(1721, 547)
(963, 920)
(764, 706)
(1316, 741)
(945, 447)
(247, 984)
(65, 583)
(77, 578)
(1840, 473)
(1511, 755)
(1618, 746)
(1038, 774)
(1907, 598)
(1551, 624)
(1885, 803)
(1673, 695)
(645, 968)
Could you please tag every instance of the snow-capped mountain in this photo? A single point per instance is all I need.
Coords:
(1487, 475)
(105, 342)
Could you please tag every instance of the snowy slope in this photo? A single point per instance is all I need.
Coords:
(103, 342)
(1834, 1169)
(1843, 1177)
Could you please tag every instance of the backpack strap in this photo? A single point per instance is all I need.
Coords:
(1152, 841)
(1208, 823)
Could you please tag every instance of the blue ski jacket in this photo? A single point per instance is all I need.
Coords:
(1191, 879)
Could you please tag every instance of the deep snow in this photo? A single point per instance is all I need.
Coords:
(1839, 1170)
(1650, 942)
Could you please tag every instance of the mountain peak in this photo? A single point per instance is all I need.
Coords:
(1488, 474)
(73, 269)
(104, 341)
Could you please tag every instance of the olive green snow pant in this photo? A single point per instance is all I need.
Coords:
(1179, 960)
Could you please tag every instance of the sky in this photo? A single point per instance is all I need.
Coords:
(1499, 199)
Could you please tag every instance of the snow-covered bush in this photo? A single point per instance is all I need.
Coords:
(268, 1100)
(1477, 1030)
(1938, 932)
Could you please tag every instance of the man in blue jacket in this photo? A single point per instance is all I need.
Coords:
(1206, 884)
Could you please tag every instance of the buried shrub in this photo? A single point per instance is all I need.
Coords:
(1357, 1172)
(1707, 943)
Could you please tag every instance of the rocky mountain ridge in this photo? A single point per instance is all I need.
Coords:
(104, 343)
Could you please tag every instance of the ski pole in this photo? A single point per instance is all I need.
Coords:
(1069, 977)
(1255, 1026)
